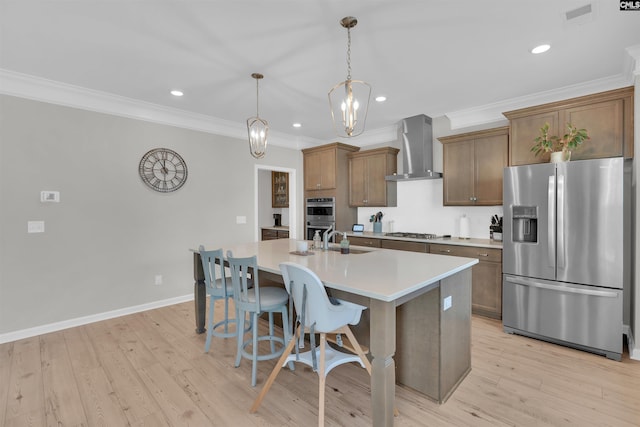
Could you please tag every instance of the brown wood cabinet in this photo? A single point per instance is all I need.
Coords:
(367, 169)
(273, 234)
(607, 117)
(403, 245)
(372, 242)
(326, 174)
(279, 189)
(486, 277)
(473, 166)
(321, 165)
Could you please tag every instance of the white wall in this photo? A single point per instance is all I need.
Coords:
(420, 210)
(110, 235)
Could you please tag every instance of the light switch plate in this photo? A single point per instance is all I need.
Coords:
(35, 226)
(50, 196)
(241, 220)
(446, 303)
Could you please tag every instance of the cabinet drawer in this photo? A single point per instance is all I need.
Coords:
(283, 234)
(404, 245)
(483, 254)
(364, 241)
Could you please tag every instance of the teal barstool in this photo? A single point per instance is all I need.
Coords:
(218, 287)
(255, 301)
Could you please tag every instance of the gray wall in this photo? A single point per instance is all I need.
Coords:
(110, 235)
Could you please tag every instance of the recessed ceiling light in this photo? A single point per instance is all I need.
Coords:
(297, 125)
(176, 92)
(381, 98)
(541, 49)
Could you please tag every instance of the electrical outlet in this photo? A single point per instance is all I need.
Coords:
(446, 303)
(35, 226)
(241, 220)
(158, 279)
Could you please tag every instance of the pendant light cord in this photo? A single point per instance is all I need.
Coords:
(348, 53)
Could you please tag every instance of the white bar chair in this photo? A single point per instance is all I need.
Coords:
(316, 314)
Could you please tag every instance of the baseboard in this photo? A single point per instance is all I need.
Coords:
(79, 321)
(634, 352)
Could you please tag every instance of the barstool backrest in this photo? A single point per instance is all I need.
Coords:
(327, 317)
(244, 274)
(213, 268)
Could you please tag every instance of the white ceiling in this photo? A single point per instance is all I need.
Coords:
(437, 57)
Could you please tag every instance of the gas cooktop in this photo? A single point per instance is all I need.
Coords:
(426, 236)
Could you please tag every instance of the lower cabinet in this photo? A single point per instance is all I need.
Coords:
(272, 234)
(372, 242)
(486, 277)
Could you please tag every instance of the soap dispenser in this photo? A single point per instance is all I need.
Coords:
(317, 240)
(344, 244)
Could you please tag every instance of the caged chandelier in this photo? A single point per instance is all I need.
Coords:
(258, 128)
(349, 100)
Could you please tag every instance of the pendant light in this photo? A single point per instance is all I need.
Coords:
(349, 100)
(258, 128)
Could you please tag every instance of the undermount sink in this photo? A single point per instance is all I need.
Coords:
(351, 250)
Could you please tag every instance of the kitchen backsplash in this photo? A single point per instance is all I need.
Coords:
(420, 210)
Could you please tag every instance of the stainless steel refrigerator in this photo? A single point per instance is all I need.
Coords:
(564, 253)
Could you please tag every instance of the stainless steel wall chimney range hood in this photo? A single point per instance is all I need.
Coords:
(417, 150)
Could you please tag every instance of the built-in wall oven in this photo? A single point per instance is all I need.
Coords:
(321, 214)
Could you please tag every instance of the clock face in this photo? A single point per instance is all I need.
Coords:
(163, 170)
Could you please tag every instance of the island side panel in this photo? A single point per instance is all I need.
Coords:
(455, 332)
(418, 344)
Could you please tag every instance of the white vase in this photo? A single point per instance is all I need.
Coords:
(560, 156)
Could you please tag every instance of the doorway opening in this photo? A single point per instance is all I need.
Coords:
(265, 213)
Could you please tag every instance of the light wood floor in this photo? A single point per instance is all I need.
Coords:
(149, 369)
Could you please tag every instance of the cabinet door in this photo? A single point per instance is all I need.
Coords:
(491, 157)
(312, 171)
(327, 171)
(459, 176)
(279, 190)
(268, 234)
(604, 123)
(357, 181)
(375, 184)
(486, 289)
(524, 131)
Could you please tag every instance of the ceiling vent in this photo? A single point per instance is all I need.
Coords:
(579, 15)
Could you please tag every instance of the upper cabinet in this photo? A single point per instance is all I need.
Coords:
(473, 165)
(367, 169)
(322, 165)
(607, 117)
(279, 190)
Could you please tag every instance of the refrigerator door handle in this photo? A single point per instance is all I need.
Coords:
(535, 284)
(551, 217)
(560, 223)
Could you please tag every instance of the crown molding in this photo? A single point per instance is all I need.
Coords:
(492, 113)
(53, 92)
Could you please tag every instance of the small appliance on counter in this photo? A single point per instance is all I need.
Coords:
(277, 219)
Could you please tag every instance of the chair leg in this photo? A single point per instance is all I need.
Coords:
(226, 315)
(271, 333)
(207, 344)
(322, 378)
(254, 366)
(287, 333)
(274, 373)
(240, 314)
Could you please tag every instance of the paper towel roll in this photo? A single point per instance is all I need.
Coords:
(464, 227)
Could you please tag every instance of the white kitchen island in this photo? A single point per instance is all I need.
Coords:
(428, 295)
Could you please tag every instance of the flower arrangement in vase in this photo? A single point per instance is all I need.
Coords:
(559, 147)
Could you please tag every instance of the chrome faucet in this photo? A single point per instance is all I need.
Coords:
(327, 235)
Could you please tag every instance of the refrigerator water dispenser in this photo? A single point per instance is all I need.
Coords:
(525, 224)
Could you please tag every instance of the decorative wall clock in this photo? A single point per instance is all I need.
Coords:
(163, 170)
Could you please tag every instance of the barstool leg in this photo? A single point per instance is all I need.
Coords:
(322, 377)
(254, 367)
(207, 343)
(240, 314)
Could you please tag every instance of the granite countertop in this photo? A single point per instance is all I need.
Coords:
(482, 243)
